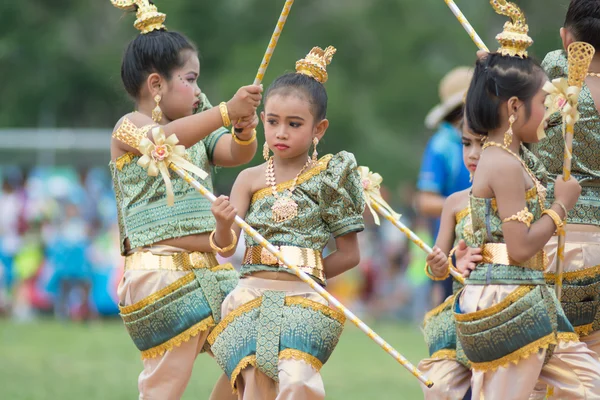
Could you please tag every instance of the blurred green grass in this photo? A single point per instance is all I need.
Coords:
(49, 360)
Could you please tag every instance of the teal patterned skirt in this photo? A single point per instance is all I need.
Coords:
(273, 327)
(179, 311)
(527, 320)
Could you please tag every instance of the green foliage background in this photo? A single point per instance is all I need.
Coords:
(60, 61)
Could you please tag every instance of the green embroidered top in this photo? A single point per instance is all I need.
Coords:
(463, 230)
(586, 146)
(330, 202)
(143, 214)
(487, 228)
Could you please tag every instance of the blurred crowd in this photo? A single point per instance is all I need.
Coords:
(59, 252)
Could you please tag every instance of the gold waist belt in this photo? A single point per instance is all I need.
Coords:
(497, 253)
(308, 260)
(145, 260)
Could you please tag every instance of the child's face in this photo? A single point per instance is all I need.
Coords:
(532, 130)
(181, 99)
(289, 125)
(472, 146)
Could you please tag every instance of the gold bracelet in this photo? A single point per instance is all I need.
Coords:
(523, 216)
(225, 114)
(433, 277)
(450, 263)
(211, 240)
(561, 205)
(555, 218)
(243, 142)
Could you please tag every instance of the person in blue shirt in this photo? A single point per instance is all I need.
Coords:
(442, 169)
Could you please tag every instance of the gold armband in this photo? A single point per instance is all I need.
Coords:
(523, 216)
(244, 142)
(211, 240)
(225, 114)
(555, 218)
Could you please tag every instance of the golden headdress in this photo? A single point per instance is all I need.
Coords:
(316, 62)
(148, 17)
(514, 40)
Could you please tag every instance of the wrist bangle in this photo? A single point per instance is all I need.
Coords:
(555, 218)
(225, 114)
(433, 277)
(244, 142)
(211, 241)
(561, 205)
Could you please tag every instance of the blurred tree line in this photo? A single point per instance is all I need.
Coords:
(60, 61)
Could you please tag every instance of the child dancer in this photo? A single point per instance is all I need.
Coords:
(276, 332)
(445, 366)
(508, 321)
(581, 281)
(171, 292)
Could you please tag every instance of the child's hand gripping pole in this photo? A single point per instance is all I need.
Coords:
(158, 157)
(371, 184)
(264, 64)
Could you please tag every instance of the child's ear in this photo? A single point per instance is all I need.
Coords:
(566, 37)
(321, 128)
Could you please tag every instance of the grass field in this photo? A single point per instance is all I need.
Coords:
(48, 360)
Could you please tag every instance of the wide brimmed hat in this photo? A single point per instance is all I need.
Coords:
(453, 89)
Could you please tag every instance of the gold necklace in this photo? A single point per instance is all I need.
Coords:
(594, 74)
(541, 190)
(284, 207)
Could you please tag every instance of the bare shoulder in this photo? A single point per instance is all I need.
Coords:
(138, 119)
(253, 177)
(458, 201)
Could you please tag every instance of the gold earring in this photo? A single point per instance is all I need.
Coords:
(266, 151)
(508, 135)
(315, 154)
(157, 112)
(471, 177)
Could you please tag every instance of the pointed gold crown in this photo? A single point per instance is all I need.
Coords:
(316, 62)
(514, 40)
(148, 17)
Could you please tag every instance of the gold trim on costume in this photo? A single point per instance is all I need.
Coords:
(144, 260)
(293, 354)
(432, 313)
(444, 354)
(530, 194)
(488, 312)
(286, 354)
(308, 260)
(123, 160)
(244, 363)
(178, 340)
(322, 308)
(497, 253)
(130, 134)
(223, 267)
(289, 301)
(574, 275)
(567, 337)
(154, 297)
(462, 214)
(244, 308)
(280, 187)
(584, 330)
(520, 354)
